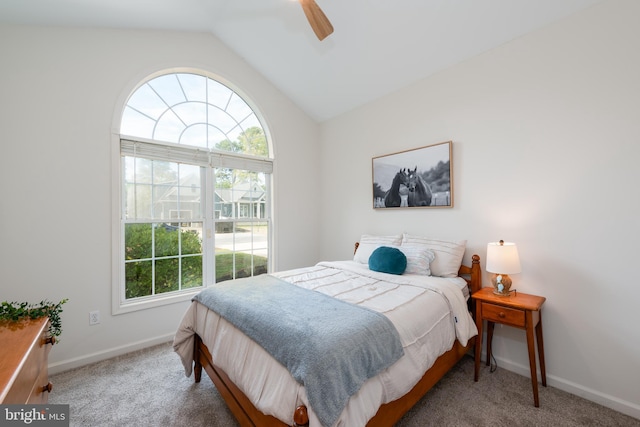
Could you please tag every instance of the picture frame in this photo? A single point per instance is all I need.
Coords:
(416, 178)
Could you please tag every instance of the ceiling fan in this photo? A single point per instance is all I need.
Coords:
(317, 19)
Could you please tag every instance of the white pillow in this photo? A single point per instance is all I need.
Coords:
(418, 258)
(448, 253)
(369, 243)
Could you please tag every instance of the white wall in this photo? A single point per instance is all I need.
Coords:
(60, 91)
(546, 134)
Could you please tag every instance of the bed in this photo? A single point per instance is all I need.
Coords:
(260, 391)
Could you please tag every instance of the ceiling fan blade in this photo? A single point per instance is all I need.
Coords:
(317, 19)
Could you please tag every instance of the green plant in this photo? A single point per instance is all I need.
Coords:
(15, 311)
(172, 248)
(245, 265)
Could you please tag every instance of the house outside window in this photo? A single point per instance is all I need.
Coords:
(195, 184)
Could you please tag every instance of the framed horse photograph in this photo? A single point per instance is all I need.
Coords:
(417, 178)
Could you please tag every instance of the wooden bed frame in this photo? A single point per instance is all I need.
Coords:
(388, 414)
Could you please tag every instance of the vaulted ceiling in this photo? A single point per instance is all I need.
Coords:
(378, 46)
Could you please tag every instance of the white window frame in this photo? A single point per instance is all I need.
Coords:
(207, 158)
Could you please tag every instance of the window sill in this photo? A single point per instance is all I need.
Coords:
(152, 302)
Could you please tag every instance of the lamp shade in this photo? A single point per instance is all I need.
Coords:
(502, 258)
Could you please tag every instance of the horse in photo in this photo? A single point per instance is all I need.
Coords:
(393, 197)
(419, 190)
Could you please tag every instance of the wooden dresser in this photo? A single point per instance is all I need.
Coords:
(24, 353)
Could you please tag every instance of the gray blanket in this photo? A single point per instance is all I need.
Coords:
(331, 347)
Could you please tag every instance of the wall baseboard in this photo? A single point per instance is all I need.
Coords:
(77, 362)
(622, 406)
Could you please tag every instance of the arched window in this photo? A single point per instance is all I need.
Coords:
(195, 189)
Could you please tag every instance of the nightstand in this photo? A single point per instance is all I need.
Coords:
(520, 311)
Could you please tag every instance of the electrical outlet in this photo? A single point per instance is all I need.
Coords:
(94, 317)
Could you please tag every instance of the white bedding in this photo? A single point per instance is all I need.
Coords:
(426, 334)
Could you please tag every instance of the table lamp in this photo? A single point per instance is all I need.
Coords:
(502, 260)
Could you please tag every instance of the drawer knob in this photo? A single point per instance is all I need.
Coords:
(47, 388)
(501, 315)
(50, 340)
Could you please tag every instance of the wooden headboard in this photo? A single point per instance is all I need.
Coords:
(472, 274)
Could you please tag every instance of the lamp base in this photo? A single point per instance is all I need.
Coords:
(501, 284)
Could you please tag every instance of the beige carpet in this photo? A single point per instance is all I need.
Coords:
(148, 388)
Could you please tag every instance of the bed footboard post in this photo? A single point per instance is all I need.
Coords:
(300, 417)
(197, 366)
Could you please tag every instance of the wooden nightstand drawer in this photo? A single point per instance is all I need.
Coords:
(500, 314)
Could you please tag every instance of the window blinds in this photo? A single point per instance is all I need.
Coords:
(193, 155)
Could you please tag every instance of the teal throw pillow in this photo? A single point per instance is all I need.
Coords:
(388, 260)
